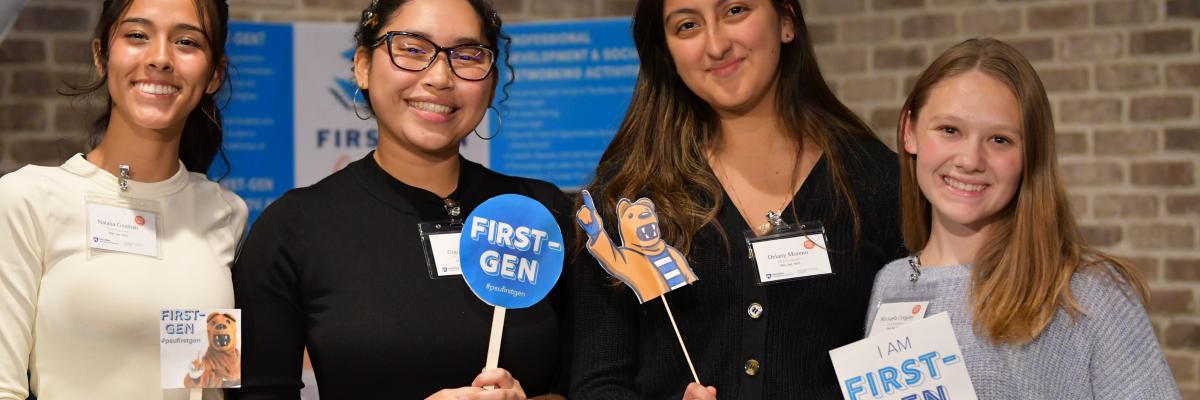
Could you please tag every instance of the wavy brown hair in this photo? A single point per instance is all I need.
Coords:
(659, 149)
(1022, 273)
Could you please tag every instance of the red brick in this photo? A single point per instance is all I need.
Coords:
(1182, 139)
(1183, 204)
(1147, 266)
(1126, 143)
(1182, 75)
(1162, 173)
(1162, 41)
(1162, 236)
(1095, 46)
(869, 89)
(1160, 108)
(834, 7)
(1183, 368)
(1172, 301)
(1100, 236)
(842, 61)
(991, 22)
(1090, 110)
(868, 30)
(562, 9)
(30, 51)
(44, 150)
(72, 51)
(1079, 204)
(258, 4)
(898, 58)
(1125, 206)
(929, 26)
(1183, 269)
(1034, 50)
(1069, 79)
(1183, 8)
(1057, 17)
(53, 18)
(1098, 173)
(1071, 143)
(1120, 77)
(1125, 12)
(22, 117)
(822, 33)
(884, 120)
(957, 2)
(884, 5)
(1182, 335)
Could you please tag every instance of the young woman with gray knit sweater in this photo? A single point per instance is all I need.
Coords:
(1038, 313)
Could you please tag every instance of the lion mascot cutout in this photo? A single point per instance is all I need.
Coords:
(644, 261)
(221, 364)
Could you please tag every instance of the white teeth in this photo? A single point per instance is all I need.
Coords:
(151, 88)
(966, 187)
(431, 107)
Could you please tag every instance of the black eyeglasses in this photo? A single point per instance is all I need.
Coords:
(413, 52)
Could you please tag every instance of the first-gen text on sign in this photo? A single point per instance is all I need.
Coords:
(919, 361)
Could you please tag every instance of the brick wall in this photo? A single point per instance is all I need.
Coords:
(1123, 76)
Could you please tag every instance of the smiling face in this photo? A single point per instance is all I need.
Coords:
(727, 52)
(426, 112)
(968, 145)
(159, 64)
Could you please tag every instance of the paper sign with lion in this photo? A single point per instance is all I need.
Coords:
(200, 348)
(643, 261)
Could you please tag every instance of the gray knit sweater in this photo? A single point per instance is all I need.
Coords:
(1110, 352)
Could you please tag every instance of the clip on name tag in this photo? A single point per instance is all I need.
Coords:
(440, 241)
(789, 252)
(123, 225)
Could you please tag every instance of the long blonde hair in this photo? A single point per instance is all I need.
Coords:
(659, 149)
(1022, 273)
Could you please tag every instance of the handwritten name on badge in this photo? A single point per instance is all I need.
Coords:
(918, 361)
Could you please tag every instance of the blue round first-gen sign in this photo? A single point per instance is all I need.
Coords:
(511, 251)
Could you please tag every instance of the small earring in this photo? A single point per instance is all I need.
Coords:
(499, 125)
(354, 103)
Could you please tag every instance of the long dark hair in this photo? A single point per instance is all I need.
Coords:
(659, 150)
(202, 133)
(377, 14)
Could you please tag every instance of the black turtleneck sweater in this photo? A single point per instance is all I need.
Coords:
(339, 267)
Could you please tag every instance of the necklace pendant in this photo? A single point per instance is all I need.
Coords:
(774, 222)
(123, 179)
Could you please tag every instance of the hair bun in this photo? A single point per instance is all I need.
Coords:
(369, 17)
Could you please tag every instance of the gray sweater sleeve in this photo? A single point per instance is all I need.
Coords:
(1126, 360)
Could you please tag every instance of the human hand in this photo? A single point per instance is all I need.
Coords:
(695, 391)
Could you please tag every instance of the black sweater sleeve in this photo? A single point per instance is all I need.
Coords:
(605, 335)
(265, 282)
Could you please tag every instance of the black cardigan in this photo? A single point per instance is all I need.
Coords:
(339, 267)
(626, 350)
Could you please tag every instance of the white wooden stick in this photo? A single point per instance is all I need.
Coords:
(680, 337)
(196, 394)
(493, 354)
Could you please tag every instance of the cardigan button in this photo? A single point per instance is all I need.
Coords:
(752, 366)
(755, 310)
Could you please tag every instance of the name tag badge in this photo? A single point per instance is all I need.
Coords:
(892, 315)
(440, 242)
(790, 252)
(123, 225)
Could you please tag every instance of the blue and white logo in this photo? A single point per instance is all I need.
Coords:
(512, 251)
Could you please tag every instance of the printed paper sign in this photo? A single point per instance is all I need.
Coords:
(918, 361)
(122, 229)
(200, 348)
(512, 251)
(444, 247)
(645, 262)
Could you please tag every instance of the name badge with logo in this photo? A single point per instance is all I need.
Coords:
(125, 226)
(893, 315)
(440, 241)
(790, 253)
